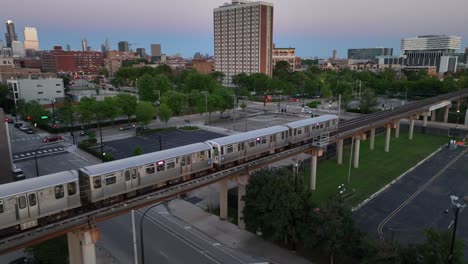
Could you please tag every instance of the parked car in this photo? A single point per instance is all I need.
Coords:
(18, 125)
(10, 120)
(29, 131)
(24, 128)
(127, 127)
(52, 139)
(292, 100)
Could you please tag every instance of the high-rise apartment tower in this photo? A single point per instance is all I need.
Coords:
(243, 38)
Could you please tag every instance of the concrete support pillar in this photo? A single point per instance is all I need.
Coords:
(411, 128)
(372, 139)
(81, 246)
(433, 115)
(387, 137)
(466, 117)
(223, 200)
(397, 129)
(446, 112)
(241, 184)
(313, 168)
(339, 150)
(425, 120)
(357, 145)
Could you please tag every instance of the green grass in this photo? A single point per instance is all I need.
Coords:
(376, 168)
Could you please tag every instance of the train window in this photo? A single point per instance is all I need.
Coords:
(263, 140)
(71, 188)
(290, 132)
(188, 160)
(59, 191)
(201, 154)
(222, 151)
(161, 166)
(134, 174)
(215, 151)
(239, 146)
(242, 146)
(182, 163)
(230, 149)
(251, 143)
(295, 131)
(299, 131)
(32, 199)
(111, 179)
(97, 182)
(170, 165)
(150, 169)
(1, 207)
(282, 135)
(127, 175)
(22, 202)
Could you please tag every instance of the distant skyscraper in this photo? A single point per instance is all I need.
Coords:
(334, 55)
(68, 47)
(243, 38)
(123, 46)
(10, 35)
(141, 52)
(84, 45)
(107, 45)
(155, 50)
(18, 49)
(30, 39)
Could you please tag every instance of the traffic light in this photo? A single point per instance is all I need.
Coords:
(55, 125)
(6, 119)
(28, 118)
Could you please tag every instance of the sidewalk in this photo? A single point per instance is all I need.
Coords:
(231, 236)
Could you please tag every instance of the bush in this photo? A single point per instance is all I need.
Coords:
(313, 104)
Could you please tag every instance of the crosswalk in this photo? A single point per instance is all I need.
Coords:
(25, 139)
(38, 153)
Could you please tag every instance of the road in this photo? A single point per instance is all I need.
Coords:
(167, 239)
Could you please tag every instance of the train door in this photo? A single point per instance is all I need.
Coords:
(185, 164)
(128, 180)
(22, 211)
(33, 207)
(135, 177)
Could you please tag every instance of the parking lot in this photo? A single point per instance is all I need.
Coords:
(420, 200)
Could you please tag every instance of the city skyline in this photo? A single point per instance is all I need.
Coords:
(313, 28)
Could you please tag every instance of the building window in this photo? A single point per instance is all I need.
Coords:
(57, 84)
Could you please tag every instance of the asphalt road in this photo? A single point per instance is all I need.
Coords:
(419, 200)
(167, 239)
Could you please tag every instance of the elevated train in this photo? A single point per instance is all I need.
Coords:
(37, 201)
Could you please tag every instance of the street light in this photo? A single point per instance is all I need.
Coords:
(341, 189)
(457, 210)
(142, 247)
(53, 110)
(159, 95)
(206, 105)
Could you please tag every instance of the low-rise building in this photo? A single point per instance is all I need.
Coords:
(288, 55)
(203, 66)
(37, 89)
(114, 60)
(58, 60)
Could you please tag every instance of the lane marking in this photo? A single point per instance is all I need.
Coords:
(407, 201)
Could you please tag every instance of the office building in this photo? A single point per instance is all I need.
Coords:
(288, 55)
(18, 49)
(37, 89)
(107, 45)
(156, 50)
(369, 54)
(123, 46)
(84, 44)
(31, 41)
(10, 34)
(243, 38)
(141, 52)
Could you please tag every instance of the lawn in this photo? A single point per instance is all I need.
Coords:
(376, 168)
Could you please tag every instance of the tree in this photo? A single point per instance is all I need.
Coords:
(368, 101)
(225, 99)
(145, 112)
(104, 71)
(111, 108)
(282, 70)
(218, 76)
(277, 215)
(85, 110)
(175, 100)
(32, 109)
(199, 82)
(436, 249)
(164, 113)
(137, 151)
(127, 104)
(52, 251)
(151, 87)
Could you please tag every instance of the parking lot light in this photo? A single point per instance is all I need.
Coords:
(454, 200)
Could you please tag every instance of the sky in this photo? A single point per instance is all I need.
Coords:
(313, 27)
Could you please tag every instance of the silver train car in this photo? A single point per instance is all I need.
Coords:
(108, 180)
(245, 146)
(309, 130)
(24, 203)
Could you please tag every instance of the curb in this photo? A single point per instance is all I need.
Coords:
(357, 207)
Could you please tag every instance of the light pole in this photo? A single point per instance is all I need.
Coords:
(35, 155)
(457, 210)
(159, 96)
(142, 247)
(206, 105)
(53, 110)
(102, 147)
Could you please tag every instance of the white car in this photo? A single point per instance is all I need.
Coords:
(23, 128)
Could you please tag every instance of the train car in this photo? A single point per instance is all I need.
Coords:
(245, 146)
(310, 130)
(24, 203)
(106, 181)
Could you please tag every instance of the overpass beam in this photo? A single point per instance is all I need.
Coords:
(397, 128)
(313, 168)
(242, 182)
(339, 150)
(433, 115)
(446, 112)
(223, 200)
(372, 139)
(388, 134)
(81, 246)
(411, 128)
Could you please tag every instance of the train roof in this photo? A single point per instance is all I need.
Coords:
(38, 183)
(153, 157)
(248, 135)
(310, 121)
